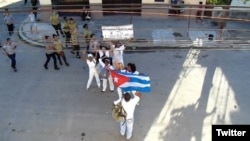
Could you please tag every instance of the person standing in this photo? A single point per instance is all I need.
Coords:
(105, 63)
(34, 4)
(9, 48)
(85, 14)
(50, 53)
(75, 43)
(92, 71)
(199, 13)
(32, 20)
(9, 21)
(117, 51)
(66, 31)
(128, 103)
(55, 22)
(59, 50)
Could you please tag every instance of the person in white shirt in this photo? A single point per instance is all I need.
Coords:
(92, 71)
(9, 48)
(9, 21)
(129, 104)
(32, 20)
(117, 52)
(105, 64)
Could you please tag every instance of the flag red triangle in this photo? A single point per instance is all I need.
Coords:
(118, 79)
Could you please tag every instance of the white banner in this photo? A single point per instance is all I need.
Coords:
(118, 32)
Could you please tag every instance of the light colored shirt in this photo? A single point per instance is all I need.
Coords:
(129, 106)
(8, 19)
(104, 66)
(106, 53)
(92, 64)
(49, 48)
(54, 19)
(58, 45)
(31, 17)
(10, 48)
(118, 53)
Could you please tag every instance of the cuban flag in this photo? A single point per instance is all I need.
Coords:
(131, 82)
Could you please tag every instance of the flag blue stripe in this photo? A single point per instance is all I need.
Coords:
(133, 79)
(131, 74)
(139, 89)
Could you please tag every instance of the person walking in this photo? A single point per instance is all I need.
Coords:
(66, 31)
(59, 50)
(55, 22)
(92, 71)
(32, 20)
(128, 103)
(9, 21)
(10, 50)
(75, 43)
(106, 66)
(50, 53)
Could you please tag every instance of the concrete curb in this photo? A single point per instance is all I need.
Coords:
(25, 39)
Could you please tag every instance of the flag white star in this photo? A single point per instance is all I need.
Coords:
(116, 79)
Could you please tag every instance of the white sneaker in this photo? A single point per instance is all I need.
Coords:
(129, 137)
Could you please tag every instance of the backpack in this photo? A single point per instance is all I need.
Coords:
(104, 73)
(118, 112)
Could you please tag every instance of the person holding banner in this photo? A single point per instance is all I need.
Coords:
(117, 51)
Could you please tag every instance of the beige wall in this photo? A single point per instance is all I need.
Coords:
(46, 7)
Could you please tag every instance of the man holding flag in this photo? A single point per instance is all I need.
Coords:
(130, 83)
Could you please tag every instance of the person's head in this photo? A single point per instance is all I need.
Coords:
(131, 67)
(182, 2)
(106, 61)
(71, 20)
(127, 97)
(85, 26)
(200, 2)
(104, 48)
(54, 12)
(90, 56)
(92, 36)
(47, 38)
(8, 40)
(55, 37)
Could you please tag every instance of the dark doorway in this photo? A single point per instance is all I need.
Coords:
(71, 5)
(111, 7)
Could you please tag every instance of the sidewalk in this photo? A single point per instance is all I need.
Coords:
(169, 32)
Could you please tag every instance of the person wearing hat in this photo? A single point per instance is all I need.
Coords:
(92, 71)
(106, 66)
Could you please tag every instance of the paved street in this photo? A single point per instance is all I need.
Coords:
(191, 90)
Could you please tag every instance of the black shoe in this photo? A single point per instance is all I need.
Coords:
(78, 57)
(45, 67)
(57, 69)
(61, 63)
(72, 52)
(15, 70)
(67, 64)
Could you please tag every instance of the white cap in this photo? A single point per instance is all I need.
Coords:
(90, 55)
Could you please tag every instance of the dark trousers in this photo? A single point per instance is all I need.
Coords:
(34, 8)
(13, 60)
(10, 28)
(76, 48)
(68, 36)
(49, 56)
(58, 27)
(25, 2)
(59, 55)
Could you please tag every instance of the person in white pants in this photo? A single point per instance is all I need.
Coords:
(106, 65)
(92, 71)
(129, 104)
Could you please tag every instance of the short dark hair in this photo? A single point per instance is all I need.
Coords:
(127, 96)
(46, 36)
(54, 35)
(8, 39)
(85, 25)
(200, 2)
(132, 66)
